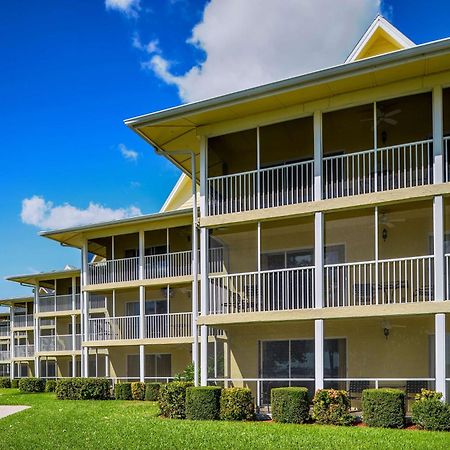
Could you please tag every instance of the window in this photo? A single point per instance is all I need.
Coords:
(151, 307)
(48, 368)
(287, 259)
(130, 253)
(156, 250)
(431, 354)
(156, 365)
(77, 328)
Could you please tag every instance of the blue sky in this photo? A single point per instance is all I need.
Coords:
(72, 70)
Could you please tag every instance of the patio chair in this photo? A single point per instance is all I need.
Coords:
(425, 293)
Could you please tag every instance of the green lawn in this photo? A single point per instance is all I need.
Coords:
(54, 424)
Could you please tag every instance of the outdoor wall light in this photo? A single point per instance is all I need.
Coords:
(386, 332)
(384, 234)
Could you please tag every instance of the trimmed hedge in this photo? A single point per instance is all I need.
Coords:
(83, 389)
(203, 403)
(50, 386)
(290, 404)
(5, 383)
(152, 391)
(383, 408)
(138, 390)
(15, 383)
(430, 413)
(122, 391)
(237, 404)
(172, 399)
(30, 384)
(332, 407)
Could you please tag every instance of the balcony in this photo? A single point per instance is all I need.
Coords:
(5, 355)
(172, 325)
(5, 331)
(168, 265)
(59, 343)
(98, 301)
(386, 282)
(23, 351)
(23, 321)
(375, 170)
(58, 303)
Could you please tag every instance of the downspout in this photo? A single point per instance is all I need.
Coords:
(195, 262)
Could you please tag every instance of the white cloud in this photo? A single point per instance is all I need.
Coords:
(252, 42)
(151, 47)
(130, 8)
(45, 215)
(127, 153)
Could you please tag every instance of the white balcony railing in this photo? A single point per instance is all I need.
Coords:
(401, 280)
(57, 303)
(172, 325)
(23, 351)
(272, 290)
(114, 328)
(22, 321)
(114, 271)
(5, 355)
(267, 188)
(383, 169)
(59, 343)
(167, 265)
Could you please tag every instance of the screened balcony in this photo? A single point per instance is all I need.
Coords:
(167, 254)
(367, 148)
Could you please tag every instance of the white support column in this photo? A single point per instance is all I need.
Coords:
(318, 258)
(377, 251)
(141, 363)
(438, 244)
(84, 309)
(440, 353)
(438, 158)
(74, 366)
(318, 149)
(318, 352)
(11, 340)
(74, 293)
(36, 331)
(141, 312)
(106, 365)
(74, 332)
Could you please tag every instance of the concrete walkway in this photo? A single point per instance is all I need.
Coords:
(7, 410)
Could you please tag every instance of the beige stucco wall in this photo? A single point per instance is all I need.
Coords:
(369, 354)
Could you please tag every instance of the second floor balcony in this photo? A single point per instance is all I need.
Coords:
(5, 330)
(5, 355)
(60, 343)
(23, 321)
(24, 351)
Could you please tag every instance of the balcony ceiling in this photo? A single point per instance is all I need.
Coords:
(177, 128)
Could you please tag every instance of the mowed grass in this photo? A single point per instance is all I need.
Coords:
(55, 424)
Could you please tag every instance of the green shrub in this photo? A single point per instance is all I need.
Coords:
(290, 404)
(187, 374)
(203, 403)
(172, 399)
(50, 386)
(122, 391)
(383, 408)
(152, 391)
(95, 389)
(430, 413)
(331, 407)
(30, 384)
(237, 404)
(138, 390)
(83, 389)
(15, 383)
(5, 383)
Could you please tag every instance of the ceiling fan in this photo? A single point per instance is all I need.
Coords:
(385, 117)
(390, 223)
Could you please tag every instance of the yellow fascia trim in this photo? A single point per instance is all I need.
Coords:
(131, 342)
(137, 283)
(69, 312)
(344, 312)
(60, 353)
(337, 204)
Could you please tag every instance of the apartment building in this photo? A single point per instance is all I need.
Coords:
(319, 252)
(329, 194)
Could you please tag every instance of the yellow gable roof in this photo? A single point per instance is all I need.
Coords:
(380, 38)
